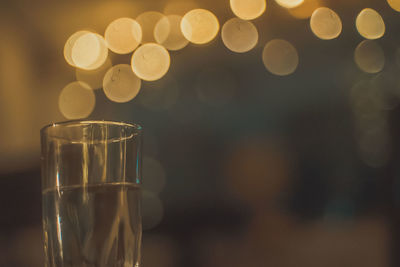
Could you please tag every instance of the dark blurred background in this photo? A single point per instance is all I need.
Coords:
(243, 168)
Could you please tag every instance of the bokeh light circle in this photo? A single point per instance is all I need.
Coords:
(325, 23)
(239, 35)
(69, 44)
(76, 100)
(305, 10)
(248, 9)
(395, 4)
(123, 35)
(369, 56)
(150, 62)
(168, 33)
(120, 84)
(199, 26)
(289, 3)
(94, 78)
(370, 24)
(89, 51)
(280, 57)
(148, 21)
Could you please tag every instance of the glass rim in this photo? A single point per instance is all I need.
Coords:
(132, 126)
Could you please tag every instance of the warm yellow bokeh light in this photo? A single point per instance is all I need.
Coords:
(69, 44)
(199, 26)
(305, 10)
(248, 9)
(89, 51)
(369, 56)
(239, 35)
(150, 62)
(395, 4)
(289, 3)
(120, 84)
(325, 23)
(76, 101)
(94, 78)
(370, 24)
(168, 33)
(280, 57)
(148, 21)
(123, 35)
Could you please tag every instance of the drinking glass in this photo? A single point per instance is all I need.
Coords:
(91, 194)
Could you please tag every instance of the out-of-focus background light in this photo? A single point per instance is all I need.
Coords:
(148, 21)
(168, 33)
(76, 100)
(89, 51)
(289, 3)
(123, 35)
(94, 78)
(370, 24)
(199, 26)
(305, 9)
(395, 4)
(150, 62)
(120, 84)
(280, 57)
(369, 56)
(248, 9)
(239, 35)
(325, 23)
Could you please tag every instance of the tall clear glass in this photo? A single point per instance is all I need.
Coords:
(91, 194)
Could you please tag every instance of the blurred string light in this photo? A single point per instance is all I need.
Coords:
(168, 33)
(370, 24)
(94, 78)
(69, 44)
(280, 57)
(89, 51)
(150, 62)
(289, 3)
(369, 56)
(199, 26)
(395, 4)
(120, 84)
(77, 100)
(248, 9)
(160, 95)
(325, 23)
(239, 35)
(152, 210)
(179, 7)
(148, 21)
(123, 35)
(154, 177)
(216, 86)
(305, 9)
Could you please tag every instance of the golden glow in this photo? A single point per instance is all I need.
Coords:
(69, 44)
(280, 57)
(248, 9)
(154, 175)
(395, 4)
(168, 33)
(123, 35)
(370, 24)
(150, 62)
(148, 21)
(200, 26)
(239, 35)
(179, 7)
(76, 100)
(94, 78)
(305, 10)
(89, 51)
(325, 23)
(369, 57)
(289, 3)
(120, 84)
